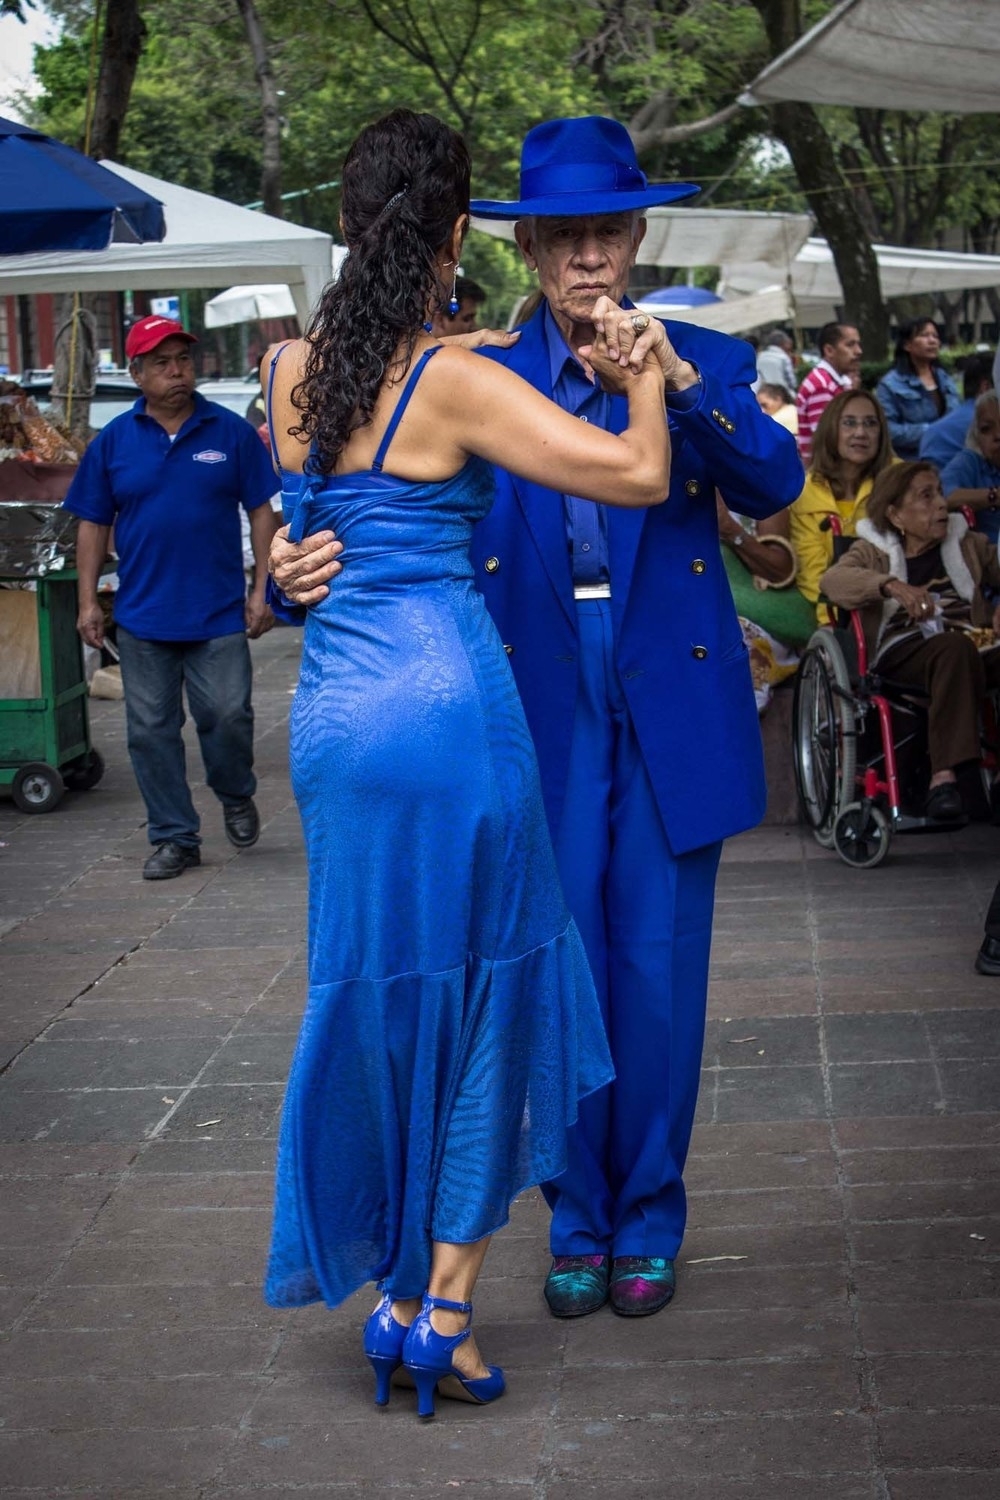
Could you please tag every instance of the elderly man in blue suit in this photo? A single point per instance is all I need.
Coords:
(624, 643)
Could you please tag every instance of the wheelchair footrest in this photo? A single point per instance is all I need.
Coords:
(907, 823)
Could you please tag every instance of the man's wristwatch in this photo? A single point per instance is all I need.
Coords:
(992, 498)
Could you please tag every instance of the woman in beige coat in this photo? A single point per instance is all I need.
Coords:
(929, 592)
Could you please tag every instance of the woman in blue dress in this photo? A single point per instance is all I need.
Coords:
(451, 1025)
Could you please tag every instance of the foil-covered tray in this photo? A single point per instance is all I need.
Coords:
(37, 536)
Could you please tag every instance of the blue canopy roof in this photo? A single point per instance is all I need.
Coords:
(55, 198)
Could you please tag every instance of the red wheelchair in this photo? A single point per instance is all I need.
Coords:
(860, 746)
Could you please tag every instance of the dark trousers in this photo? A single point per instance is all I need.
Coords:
(992, 924)
(952, 671)
(645, 915)
(216, 675)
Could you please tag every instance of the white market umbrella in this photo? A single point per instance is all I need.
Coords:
(249, 304)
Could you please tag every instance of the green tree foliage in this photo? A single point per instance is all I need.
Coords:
(493, 68)
(194, 114)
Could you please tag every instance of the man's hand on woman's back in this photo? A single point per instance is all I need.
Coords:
(302, 570)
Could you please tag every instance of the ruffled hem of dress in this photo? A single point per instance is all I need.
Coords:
(419, 1107)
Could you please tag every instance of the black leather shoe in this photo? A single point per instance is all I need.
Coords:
(988, 957)
(169, 860)
(242, 823)
(944, 803)
(577, 1285)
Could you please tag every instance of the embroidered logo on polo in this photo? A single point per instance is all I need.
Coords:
(209, 456)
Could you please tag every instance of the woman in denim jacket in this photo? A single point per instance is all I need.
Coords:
(918, 389)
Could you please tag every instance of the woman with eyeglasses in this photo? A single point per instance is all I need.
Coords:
(851, 448)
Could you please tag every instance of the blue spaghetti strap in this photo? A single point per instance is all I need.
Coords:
(401, 404)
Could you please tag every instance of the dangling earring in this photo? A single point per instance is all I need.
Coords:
(454, 304)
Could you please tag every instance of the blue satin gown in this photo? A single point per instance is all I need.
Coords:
(451, 1024)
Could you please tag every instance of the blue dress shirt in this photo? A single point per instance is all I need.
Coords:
(945, 438)
(969, 470)
(575, 392)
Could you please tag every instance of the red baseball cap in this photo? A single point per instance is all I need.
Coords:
(148, 332)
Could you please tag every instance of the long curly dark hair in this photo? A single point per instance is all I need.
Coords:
(405, 182)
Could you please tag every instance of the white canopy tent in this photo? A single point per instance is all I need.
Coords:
(711, 237)
(732, 315)
(893, 54)
(816, 289)
(209, 242)
(705, 236)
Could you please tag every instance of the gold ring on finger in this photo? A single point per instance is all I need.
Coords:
(639, 321)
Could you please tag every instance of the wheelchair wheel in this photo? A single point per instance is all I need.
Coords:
(861, 835)
(824, 730)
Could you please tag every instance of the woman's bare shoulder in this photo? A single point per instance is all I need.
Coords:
(290, 355)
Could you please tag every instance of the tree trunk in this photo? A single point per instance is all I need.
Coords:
(121, 48)
(270, 176)
(827, 193)
(832, 202)
(76, 354)
(952, 308)
(75, 363)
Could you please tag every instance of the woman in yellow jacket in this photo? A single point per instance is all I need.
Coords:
(850, 449)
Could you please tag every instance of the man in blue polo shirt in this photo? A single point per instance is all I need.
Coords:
(170, 476)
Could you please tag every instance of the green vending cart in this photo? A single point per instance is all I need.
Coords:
(45, 742)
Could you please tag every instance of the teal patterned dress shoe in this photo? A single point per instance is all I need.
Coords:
(640, 1285)
(577, 1285)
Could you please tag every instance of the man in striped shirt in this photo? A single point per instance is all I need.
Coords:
(838, 370)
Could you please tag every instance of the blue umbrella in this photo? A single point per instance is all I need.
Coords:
(55, 198)
(681, 296)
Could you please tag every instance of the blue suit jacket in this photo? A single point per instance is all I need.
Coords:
(681, 656)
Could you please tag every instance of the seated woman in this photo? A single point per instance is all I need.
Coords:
(850, 449)
(918, 389)
(775, 619)
(777, 401)
(972, 477)
(927, 587)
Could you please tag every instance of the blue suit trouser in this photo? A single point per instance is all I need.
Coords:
(645, 915)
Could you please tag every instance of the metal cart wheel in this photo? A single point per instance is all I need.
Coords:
(37, 787)
(824, 735)
(86, 773)
(861, 835)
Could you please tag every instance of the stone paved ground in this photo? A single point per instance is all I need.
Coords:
(835, 1334)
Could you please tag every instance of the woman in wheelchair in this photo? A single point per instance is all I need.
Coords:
(928, 591)
(850, 449)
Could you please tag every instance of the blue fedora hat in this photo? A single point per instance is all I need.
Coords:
(585, 166)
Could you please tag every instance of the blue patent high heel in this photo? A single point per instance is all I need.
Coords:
(427, 1355)
(383, 1340)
